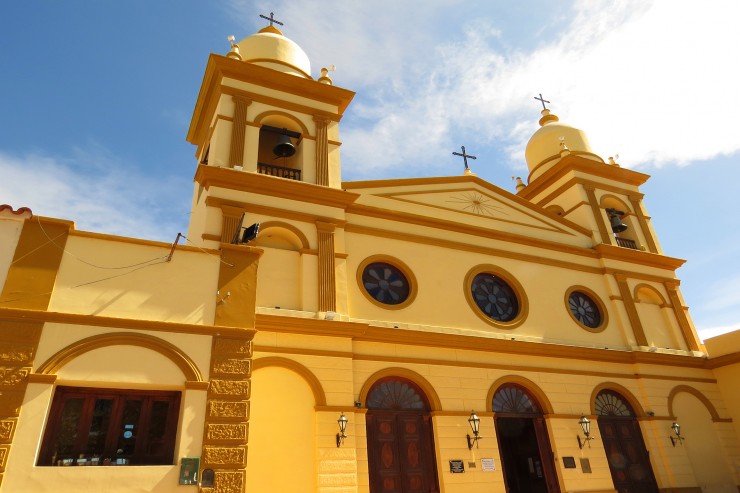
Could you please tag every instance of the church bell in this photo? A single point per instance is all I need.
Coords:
(284, 147)
(616, 222)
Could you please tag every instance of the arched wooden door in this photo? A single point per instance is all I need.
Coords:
(526, 455)
(628, 458)
(400, 438)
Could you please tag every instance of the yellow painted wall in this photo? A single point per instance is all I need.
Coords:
(282, 427)
(182, 290)
(708, 459)
(22, 474)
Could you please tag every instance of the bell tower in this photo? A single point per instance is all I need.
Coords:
(260, 114)
(567, 178)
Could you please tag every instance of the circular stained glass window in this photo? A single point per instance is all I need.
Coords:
(494, 297)
(385, 283)
(584, 309)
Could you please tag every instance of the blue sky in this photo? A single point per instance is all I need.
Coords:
(96, 99)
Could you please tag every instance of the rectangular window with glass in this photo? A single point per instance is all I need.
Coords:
(91, 427)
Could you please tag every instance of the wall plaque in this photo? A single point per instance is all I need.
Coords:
(488, 464)
(569, 462)
(457, 466)
(586, 466)
(189, 467)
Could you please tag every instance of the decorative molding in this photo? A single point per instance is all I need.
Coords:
(322, 150)
(642, 221)
(186, 365)
(687, 331)
(275, 361)
(226, 178)
(238, 128)
(525, 383)
(365, 332)
(629, 306)
(435, 404)
(629, 373)
(699, 395)
(17, 315)
(622, 391)
(225, 432)
(327, 267)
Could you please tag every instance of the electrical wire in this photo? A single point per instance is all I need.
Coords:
(83, 260)
(207, 252)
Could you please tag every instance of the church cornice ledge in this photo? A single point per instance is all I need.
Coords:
(246, 181)
(445, 225)
(649, 259)
(363, 331)
(17, 314)
(220, 67)
(572, 163)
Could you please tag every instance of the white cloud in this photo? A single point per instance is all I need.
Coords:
(96, 190)
(647, 80)
(708, 333)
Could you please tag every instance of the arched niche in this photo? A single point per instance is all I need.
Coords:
(283, 426)
(281, 235)
(659, 324)
(273, 126)
(63, 357)
(691, 390)
(313, 382)
(644, 293)
(609, 201)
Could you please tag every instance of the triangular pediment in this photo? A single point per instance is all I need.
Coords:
(470, 201)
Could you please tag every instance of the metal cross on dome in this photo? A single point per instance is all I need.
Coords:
(465, 156)
(542, 100)
(271, 19)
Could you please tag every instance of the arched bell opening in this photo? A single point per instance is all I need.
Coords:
(280, 150)
(621, 222)
(629, 462)
(526, 455)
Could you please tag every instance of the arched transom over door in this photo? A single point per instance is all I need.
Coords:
(400, 438)
(628, 458)
(526, 455)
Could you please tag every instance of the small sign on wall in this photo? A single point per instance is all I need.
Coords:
(488, 464)
(569, 462)
(457, 466)
(189, 467)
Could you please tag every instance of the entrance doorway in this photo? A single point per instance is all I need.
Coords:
(526, 456)
(400, 439)
(628, 458)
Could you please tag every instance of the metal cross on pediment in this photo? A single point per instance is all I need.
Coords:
(542, 100)
(271, 19)
(465, 156)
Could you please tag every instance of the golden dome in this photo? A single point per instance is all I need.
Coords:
(550, 140)
(269, 48)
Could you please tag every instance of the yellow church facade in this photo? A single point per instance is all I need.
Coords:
(313, 335)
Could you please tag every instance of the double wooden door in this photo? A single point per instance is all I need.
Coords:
(401, 452)
(628, 458)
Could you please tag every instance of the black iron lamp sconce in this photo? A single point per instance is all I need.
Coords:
(585, 425)
(474, 422)
(676, 437)
(342, 428)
